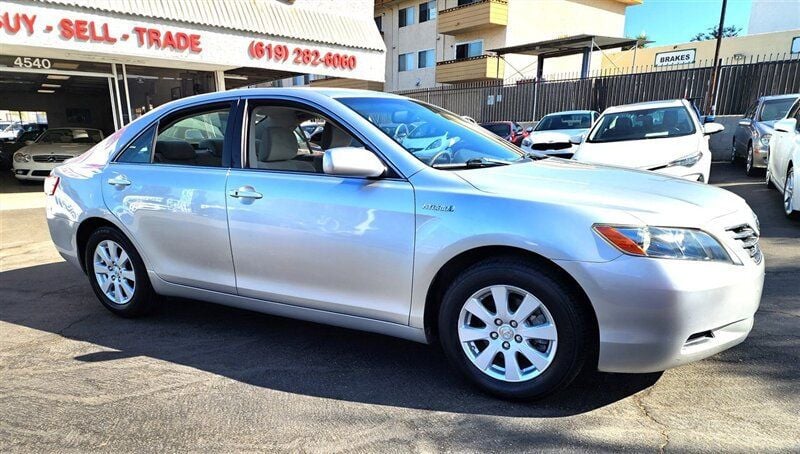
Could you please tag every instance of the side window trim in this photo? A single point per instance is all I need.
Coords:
(285, 101)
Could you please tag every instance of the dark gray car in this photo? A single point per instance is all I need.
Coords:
(751, 138)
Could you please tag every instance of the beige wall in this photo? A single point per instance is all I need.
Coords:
(750, 46)
(528, 21)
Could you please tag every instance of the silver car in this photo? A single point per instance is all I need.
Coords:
(525, 269)
(751, 138)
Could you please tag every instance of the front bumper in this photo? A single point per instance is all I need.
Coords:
(760, 155)
(655, 314)
(33, 170)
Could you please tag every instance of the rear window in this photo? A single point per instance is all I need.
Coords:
(500, 129)
(661, 122)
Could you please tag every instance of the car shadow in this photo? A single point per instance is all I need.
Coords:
(277, 353)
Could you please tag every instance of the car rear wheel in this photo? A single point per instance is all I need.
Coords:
(788, 196)
(117, 274)
(514, 330)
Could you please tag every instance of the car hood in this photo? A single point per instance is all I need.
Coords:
(638, 154)
(74, 149)
(544, 136)
(653, 198)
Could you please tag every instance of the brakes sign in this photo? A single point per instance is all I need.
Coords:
(676, 57)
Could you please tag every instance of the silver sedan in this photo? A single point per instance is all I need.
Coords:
(526, 269)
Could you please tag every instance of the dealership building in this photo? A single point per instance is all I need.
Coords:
(103, 63)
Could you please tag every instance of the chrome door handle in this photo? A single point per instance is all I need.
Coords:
(119, 180)
(245, 192)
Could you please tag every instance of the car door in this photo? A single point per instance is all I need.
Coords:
(168, 190)
(302, 237)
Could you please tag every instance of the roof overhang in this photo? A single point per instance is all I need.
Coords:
(200, 34)
(571, 45)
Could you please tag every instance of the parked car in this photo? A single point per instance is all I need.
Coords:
(508, 130)
(558, 134)
(662, 136)
(752, 135)
(525, 269)
(51, 148)
(784, 157)
(7, 149)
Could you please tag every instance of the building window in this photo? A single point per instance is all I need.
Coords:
(425, 59)
(379, 23)
(796, 45)
(466, 2)
(406, 16)
(467, 50)
(427, 11)
(405, 62)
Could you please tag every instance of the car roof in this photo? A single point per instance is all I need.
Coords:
(786, 96)
(566, 112)
(646, 105)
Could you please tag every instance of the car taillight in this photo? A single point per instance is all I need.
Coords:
(50, 184)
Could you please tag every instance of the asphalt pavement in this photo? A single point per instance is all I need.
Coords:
(200, 377)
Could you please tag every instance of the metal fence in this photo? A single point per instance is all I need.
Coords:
(739, 85)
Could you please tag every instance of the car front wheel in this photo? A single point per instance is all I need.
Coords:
(117, 274)
(515, 330)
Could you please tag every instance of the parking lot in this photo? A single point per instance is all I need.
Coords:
(199, 377)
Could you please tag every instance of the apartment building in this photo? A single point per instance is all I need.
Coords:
(429, 43)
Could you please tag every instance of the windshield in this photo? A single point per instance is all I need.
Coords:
(661, 122)
(70, 136)
(565, 121)
(434, 136)
(775, 109)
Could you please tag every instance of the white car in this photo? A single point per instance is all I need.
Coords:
(784, 156)
(53, 147)
(10, 131)
(556, 134)
(662, 136)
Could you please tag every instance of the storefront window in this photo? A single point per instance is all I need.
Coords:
(151, 87)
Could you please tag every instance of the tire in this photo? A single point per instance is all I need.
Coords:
(560, 317)
(123, 276)
(789, 187)
(749, 170)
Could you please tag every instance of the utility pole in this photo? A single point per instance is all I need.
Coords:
(711, 105)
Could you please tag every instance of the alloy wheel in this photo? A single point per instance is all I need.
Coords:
(788, 193)
(114, 272)
(507, 333)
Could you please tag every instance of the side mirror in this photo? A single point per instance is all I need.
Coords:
(786, 125)
(745, 122)
(352, 162)
(529, 129)
(576, 140)
(712, 128)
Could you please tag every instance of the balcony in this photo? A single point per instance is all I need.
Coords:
(342, 82)
(480, 15)
(484, 67)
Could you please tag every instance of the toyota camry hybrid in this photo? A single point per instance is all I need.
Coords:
(526, 269)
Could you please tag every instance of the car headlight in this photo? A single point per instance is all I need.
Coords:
(22, 157)
(665, 242)
(527, 142)
(435, 144)
(765, 140)
(686, 161)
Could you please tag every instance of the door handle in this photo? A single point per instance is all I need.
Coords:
(245, 192)
(119, 180)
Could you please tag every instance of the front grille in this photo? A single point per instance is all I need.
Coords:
(747, 237)
(551, 146)
(51, 158)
